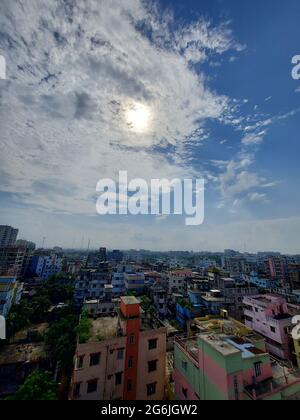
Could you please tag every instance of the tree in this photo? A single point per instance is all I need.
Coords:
(39, 386)
(84, 328)
(40, 306)
(61, 340)
(19, 318)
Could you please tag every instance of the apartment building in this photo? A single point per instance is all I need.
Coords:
(268, 315)
(226, 361)
(10, 294)
(12, 261)
(160, 300)
(294, 276)
(122, 359)
(90, 284)
(45, 266)
(261, 282)
(178, 281)
(233, 292)
(135, 283)
(8, 236)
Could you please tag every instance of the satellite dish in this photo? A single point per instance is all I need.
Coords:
(296, 330)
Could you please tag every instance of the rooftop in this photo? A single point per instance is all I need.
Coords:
(223, 343)
(22, 353)
(265, 300)
(130, 300)
(104, 329)
(211, 298)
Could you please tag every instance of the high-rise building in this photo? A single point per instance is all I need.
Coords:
(12, 261)
(103, 254)
(22, 243)
(121, 359)
(115, 256)
(8, 236)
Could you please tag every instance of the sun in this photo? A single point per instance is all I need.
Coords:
(138, 118)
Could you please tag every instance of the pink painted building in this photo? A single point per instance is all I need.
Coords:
(268, 315)
(122, 359)
(217, 364)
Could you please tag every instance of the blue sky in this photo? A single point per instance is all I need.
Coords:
(215, 76)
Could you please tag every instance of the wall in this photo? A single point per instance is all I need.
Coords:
(109, 365)
(145, 356)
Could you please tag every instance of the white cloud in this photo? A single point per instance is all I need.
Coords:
(253, 138)
(255, 196)
(74, 71)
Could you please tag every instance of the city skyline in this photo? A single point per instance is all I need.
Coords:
(160, 89)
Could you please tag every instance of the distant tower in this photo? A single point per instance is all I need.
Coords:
(102, 255)
(8, 236)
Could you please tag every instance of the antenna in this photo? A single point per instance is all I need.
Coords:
(44, 240)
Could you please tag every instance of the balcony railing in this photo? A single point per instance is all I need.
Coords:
(189, 346)
(271, 386)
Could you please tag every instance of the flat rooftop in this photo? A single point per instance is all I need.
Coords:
(104, 329)
(223, 343)
(264, 300)
(219, 342)
(211, 298)
(130, 300)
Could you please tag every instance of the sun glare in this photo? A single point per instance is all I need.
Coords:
(138, 118)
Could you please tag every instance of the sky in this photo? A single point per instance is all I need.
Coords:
(161, 89)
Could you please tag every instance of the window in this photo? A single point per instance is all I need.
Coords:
(130, 362)
(152, 366)
(129, 385)
(120, 354)
(92, 386)
(185, 392)
(151, 389)
(95, 359)
(152, 344)
(80, 361)
(257, 367)
(273, 330)
(76, 392)
(132, 339)
(119, 378)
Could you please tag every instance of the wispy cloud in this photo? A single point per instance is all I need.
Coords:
(75, 68)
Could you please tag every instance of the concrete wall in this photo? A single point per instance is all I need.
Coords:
(145, 356)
